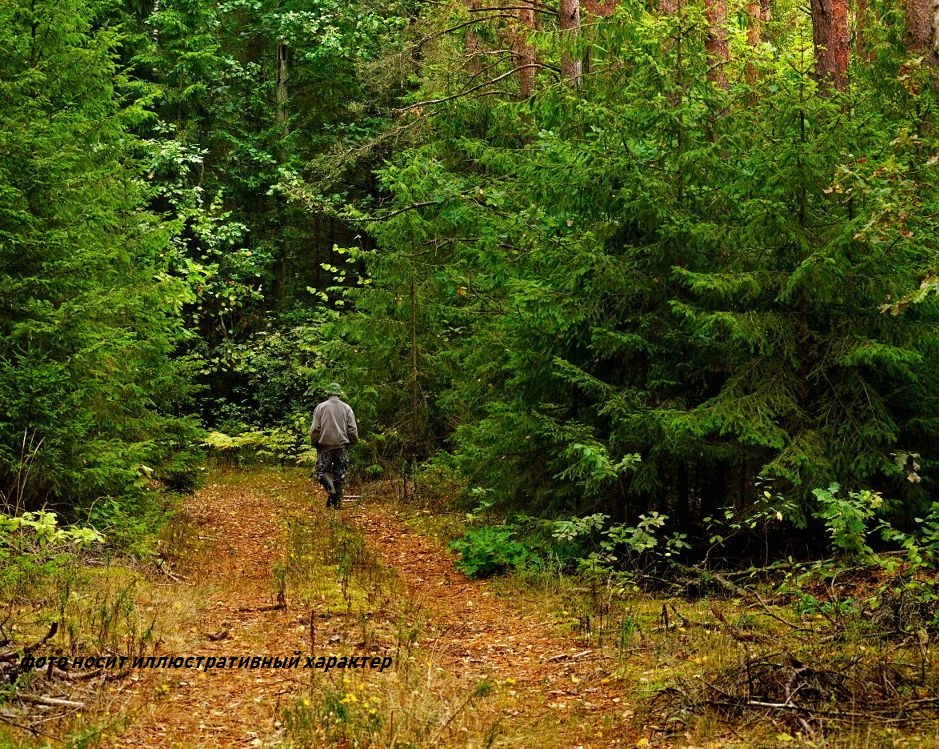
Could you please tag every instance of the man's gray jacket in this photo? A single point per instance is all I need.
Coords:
(333, 424)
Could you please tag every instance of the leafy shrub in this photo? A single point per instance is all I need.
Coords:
(618, 544)
(283, 444)
(438, 479)
(183, 470)
(921, 547)
(846, 518)
(489, 550)
(131, 523)
(33, 548)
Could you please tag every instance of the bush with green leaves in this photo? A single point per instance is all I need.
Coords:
(276, 445)
(33, 549)
(847, 518)
(489, 550)
(610, 547)
(132, 524)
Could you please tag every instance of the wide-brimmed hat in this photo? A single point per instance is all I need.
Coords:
(334, 388)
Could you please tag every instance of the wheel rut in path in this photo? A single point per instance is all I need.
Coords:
(226, 599)
(566, 695)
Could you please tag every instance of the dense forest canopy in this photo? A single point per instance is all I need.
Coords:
(610, 257)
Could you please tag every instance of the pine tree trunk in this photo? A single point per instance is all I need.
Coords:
(416, 427)
(920, 20)
(755, 23)
(525, 52)
(572, 68)
(474, 44)
(831, 38)
(718, 50)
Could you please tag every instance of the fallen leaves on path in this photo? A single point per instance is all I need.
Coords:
(555, 691)
(241, 533)
(562, 689)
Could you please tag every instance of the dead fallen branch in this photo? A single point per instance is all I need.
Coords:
(257, 609)
(48, 701)
(805, 693)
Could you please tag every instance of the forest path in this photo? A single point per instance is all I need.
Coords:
(236, 537)
(562, 693)
(538, 687)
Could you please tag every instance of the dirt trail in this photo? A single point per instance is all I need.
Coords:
(566, 695)
(561, 691)
(226, 581)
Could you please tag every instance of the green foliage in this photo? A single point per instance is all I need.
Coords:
(591, 543)
(920, 545)
(489, 550)
(131, 524)
(847, 518)
(633, 299)
(33, 549)
(248, 172)
(275, 376)
(90, 312)
(616, 546)
(643, 294)
(591, 465)
(278, 444)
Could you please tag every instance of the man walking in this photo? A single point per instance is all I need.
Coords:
(333, 431)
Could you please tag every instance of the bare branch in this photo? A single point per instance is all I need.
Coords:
(412, 207)
(48, 701)
(537, 8)
(459, 26)
(428, 102)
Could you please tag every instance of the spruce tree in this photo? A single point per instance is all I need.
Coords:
(671, 291)
(88, 315)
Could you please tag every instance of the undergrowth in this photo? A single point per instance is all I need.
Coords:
(80, 591)
(832, 652)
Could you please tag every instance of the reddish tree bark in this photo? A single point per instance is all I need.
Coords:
(831, 38)
(919, 27)
(600, 7)
(572, 68)
(474, 45)
(755, 22)
(524, 52)
(718, 50)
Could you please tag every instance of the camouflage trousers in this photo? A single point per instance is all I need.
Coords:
(335, 462)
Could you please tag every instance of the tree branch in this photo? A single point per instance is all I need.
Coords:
(412, 207)
(459, 26)
(48, 701)
(428, 102)
(538, 9)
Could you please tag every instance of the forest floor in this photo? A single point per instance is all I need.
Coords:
(255, 565)
(472, 666)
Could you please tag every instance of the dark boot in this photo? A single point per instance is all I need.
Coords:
(337, 496)
(327, 482)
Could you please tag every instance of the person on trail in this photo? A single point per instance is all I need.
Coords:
(333, 431)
